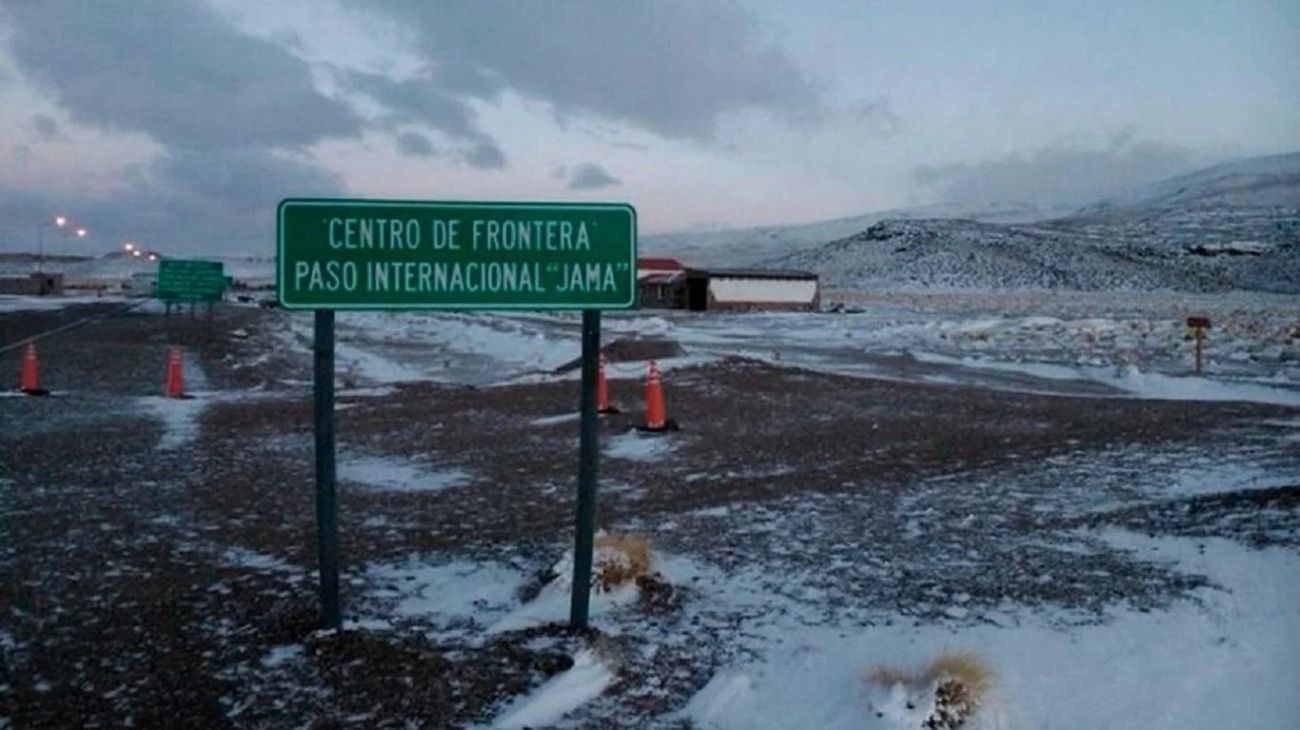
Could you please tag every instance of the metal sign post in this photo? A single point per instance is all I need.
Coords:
(378, 254)
(327, 519)
(1199, 325)
(588, 445)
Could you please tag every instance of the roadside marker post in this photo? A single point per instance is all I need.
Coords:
(379, 254)
(1198, 325)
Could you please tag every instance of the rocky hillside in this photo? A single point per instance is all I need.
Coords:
(942, 254)
(1232, 226)
(747, 246)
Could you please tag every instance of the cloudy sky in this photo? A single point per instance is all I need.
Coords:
(181, 123)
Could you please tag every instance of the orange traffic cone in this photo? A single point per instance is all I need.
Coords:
(602, 389)
(31, 379)
(655, 419)
(175, 374)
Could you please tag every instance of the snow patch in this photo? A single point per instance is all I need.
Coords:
(1212, 478)
(395, 474)
(9, 303)
(552, 603)
(636, 446)
(1035, 369)
(179, 417)
(560, 695)
(455, 595)
(252, 559)
(1167, 387)
(552, 420)
(282, 654)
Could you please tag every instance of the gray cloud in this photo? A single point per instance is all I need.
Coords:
(414, 144)
(46, 126)
(22, 156)
(413, 101)
(420, 101)
(189, 201)
(876, 117)
(590, 176)
(231, 111)
(175, 70)
(668, 66)
(243, 181)
(1058, 173)
(485, 155)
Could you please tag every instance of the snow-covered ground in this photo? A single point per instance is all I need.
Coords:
(1221, 661)
(792, 644)
(1222, 657)
(11, 303)
(1103, 582)
(1115, 345)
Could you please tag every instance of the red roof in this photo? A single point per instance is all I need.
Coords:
(659, 264)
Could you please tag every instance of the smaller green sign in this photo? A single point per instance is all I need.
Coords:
(191, 280)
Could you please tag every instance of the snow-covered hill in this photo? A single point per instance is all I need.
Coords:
(1235, 225)
(743, 246)
(1232, 226)
(968, 255)
(117, 266)
(1272, 181)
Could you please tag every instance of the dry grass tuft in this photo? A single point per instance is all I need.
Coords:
(620, 559)
(960, 682)
(964, 667)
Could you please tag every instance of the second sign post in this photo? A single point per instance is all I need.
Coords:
(368, 254)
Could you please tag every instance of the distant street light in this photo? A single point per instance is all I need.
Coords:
(136, 253)
(59, 221)
(128, 246)
(153, 257)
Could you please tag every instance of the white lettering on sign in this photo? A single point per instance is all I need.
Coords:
(374, 233)
(509, 235)
(473, 276)
(443, 235)
(328, 276)
(587, 278)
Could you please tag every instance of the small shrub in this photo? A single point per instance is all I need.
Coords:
(942, 696)
(620, 559)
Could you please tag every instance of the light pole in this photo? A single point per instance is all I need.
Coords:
(59, 222)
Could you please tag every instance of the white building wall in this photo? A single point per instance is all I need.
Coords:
(761, 291)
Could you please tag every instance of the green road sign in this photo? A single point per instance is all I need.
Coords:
(190, 280)
(373, 254)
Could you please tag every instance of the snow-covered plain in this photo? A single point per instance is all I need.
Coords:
(1220, 656)
(1131, 345)
(12, 303)
(1221, 659)
(1216, 665)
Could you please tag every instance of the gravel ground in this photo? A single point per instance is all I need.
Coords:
(158, 581)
